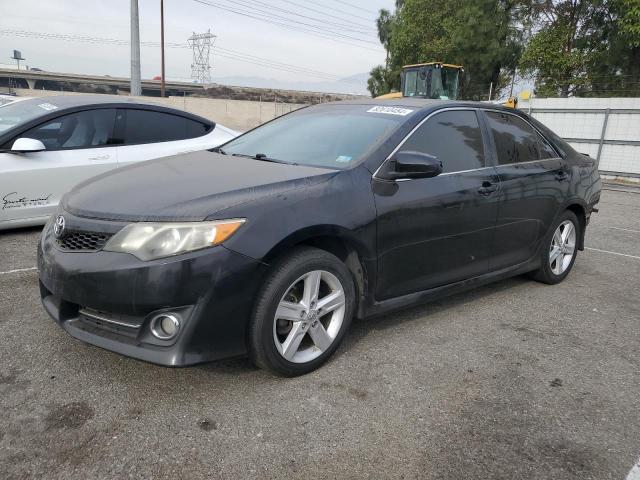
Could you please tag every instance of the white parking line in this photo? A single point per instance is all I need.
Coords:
(623, 229)
(634, 473)
(612, 253)
(18, 270)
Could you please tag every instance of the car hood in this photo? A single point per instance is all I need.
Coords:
(191, 186)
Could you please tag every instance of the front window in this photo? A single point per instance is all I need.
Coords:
(335, 136)
(86, 129)
(454, 137)
(415, 83)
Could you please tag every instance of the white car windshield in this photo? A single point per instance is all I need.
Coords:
(17, 113)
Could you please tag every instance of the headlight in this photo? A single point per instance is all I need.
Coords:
(148, 241)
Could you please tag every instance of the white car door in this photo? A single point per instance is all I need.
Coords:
(77, 148)
(149, 134)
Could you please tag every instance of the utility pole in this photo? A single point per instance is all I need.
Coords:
(136, 88)
(162, 48)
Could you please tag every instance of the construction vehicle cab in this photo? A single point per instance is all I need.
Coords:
(429, 80)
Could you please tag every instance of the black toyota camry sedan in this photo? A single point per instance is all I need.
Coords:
(272, 243)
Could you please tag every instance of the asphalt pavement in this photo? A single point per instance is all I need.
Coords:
(516, 380)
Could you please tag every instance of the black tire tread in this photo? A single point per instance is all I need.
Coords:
(544, 274)
(259, 353)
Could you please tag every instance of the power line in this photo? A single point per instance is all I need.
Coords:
(276, 18)
(331, 35)
(357, 7)
(369, 27)
(340, 11)
(258, 7)
(225, 52)
(270, 7)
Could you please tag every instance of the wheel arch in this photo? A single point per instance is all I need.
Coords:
(339, 242)
(579, 209)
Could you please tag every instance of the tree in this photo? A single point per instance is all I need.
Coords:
(584, 47)
(382, 81)
(383, 24)
(622, 60)
(477, 34)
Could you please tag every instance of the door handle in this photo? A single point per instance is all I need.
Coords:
(487, 188)
(561, 175)
(100, 157)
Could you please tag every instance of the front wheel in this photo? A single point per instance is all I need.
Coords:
(302, 312)
(559, 250)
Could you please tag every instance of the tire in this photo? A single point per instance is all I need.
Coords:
(550, 271)
(290, 332)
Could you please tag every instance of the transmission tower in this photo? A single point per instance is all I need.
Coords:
(201, 43)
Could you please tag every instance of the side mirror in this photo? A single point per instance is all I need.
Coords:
(23, 145)
(408, 164)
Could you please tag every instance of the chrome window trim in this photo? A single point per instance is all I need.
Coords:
(473, 109)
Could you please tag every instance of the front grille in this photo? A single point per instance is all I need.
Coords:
(83, 241)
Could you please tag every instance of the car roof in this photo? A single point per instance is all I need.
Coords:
(71, 101)
(423, 103)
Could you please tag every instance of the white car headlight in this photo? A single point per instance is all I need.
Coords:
(149, 241)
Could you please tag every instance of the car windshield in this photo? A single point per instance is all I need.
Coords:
(17, 113)
(330, 136)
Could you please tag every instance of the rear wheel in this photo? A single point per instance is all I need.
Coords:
(302, 312)
(560, 249)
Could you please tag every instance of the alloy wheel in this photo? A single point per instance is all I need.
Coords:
(563, 247)
(309, 316)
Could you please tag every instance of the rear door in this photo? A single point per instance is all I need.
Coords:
(534, 181)
(78, 146)
(437, 231)
(149, 134)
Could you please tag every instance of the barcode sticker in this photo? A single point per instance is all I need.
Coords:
(390, 110)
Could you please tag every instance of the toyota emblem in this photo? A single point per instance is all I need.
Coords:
(58, 226)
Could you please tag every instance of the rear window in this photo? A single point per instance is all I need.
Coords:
(516, 141)
(147, 126)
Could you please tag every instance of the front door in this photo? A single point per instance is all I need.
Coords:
(437, 231)
(77, 148)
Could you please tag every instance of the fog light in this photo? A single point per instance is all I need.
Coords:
(165, 326)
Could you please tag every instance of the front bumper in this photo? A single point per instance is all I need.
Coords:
(108, 299)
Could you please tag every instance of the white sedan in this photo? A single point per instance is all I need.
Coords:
(48, 145)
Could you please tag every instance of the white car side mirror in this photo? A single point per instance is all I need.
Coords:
(23, 145)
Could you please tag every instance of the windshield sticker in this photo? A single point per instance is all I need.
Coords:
(390, 110)
(343, 159)
(47, 106)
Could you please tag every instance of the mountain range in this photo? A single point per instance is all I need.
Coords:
(354, 84)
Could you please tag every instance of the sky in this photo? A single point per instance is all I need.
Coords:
(351, 48)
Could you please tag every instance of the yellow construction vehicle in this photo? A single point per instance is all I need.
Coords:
(429, 80)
